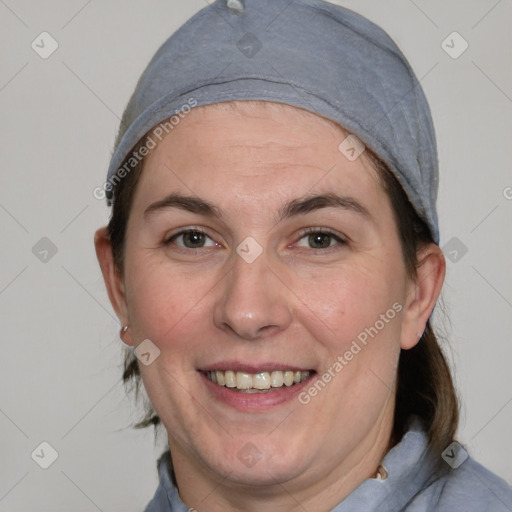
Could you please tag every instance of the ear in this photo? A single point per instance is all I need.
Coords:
(113, 279)
(422, 294)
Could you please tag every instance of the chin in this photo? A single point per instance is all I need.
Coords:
(257, 462)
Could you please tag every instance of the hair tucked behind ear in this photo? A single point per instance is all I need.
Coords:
(424, 386)
(121, 207)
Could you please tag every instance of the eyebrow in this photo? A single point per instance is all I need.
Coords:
(190, 204)
(294, 208)
(310, 204)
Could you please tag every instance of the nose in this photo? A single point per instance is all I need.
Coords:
(253, 302)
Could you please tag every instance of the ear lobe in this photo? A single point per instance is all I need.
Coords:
(113, 279)
(423, 294)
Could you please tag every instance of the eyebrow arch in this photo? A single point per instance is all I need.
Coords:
(191, 204)
(309, 204)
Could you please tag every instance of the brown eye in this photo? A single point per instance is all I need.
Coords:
(192, 239)
(319, 240)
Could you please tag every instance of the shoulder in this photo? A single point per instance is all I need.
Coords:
(471, 488)
(166, 498)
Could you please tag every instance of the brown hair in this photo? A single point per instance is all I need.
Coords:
(424, 385)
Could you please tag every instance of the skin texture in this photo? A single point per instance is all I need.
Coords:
(296, 305)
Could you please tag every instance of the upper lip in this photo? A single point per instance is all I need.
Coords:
(238, 366)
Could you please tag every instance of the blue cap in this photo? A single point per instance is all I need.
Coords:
(305, 53)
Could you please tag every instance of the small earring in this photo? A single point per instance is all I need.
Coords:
(123, 330)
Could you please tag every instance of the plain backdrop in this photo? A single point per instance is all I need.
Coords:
(60, 363)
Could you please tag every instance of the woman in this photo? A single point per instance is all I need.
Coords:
(273, 259)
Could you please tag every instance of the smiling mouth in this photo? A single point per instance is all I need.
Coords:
(262, 382)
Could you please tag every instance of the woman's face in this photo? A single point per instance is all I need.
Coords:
(255, 246)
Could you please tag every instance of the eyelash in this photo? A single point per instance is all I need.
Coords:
(306, 232)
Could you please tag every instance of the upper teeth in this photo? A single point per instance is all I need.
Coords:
(262, 380)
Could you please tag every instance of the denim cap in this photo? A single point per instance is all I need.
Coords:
(305, 53)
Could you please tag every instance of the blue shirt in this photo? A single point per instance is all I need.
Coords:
(412, 484)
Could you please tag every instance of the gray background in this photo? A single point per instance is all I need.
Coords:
(60, 359)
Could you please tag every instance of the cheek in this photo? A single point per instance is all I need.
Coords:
(167, 306)
(349, 299)
(171, 310)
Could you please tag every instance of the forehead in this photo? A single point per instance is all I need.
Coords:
(257, 151)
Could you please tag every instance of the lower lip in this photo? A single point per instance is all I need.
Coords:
(251, 402)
